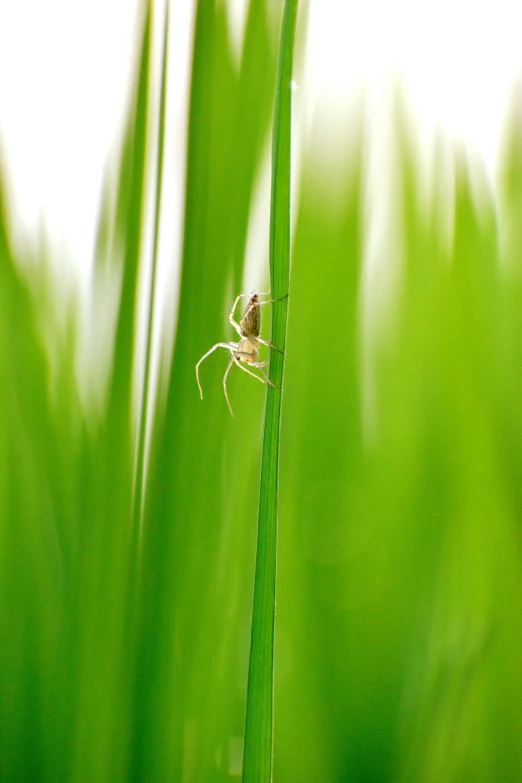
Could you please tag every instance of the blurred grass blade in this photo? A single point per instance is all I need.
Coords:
(33, 557)
(144, 405)
(257, 765)
(131, 198)
(103, 653)
(190, 525)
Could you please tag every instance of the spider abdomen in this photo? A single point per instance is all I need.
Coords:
(250, 324)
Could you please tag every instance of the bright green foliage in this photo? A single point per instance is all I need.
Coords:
(199, 522)
(398, 648)
(258, 746)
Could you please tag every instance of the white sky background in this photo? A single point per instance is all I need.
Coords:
(64, 68)
(457, 59)
(64, 73)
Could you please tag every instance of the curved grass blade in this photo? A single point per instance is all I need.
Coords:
(257, 765)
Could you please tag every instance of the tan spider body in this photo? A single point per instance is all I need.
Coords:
(245, 351)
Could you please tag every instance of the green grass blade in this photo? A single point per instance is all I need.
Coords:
(140, 455)
(193, 524)
(102, 660)
(257, 765)
(131, 199)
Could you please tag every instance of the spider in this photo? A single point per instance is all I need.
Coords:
(246, 350)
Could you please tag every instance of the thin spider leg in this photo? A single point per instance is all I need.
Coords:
(264, 293)
(229, 346)
(231, 362)
(231, 318)
(258, 366)
(259, 293)
(269, 345)
(271, 301)
(245, 369)
(267, 379)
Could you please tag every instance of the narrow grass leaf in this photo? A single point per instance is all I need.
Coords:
(257, 764)
(144, 405)
(193, 585)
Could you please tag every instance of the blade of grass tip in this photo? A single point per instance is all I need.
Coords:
(140, 454)
(131, 197)
(257, 764)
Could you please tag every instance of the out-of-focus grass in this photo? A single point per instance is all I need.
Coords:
(398, 651)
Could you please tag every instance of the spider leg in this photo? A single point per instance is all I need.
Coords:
(234, 359)
(231, 319)
(269, 345)
(271, 301)
(259, 293)
(229, 346)
(258, 366)
(245, 369)
(231, 362)
(265, 376)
